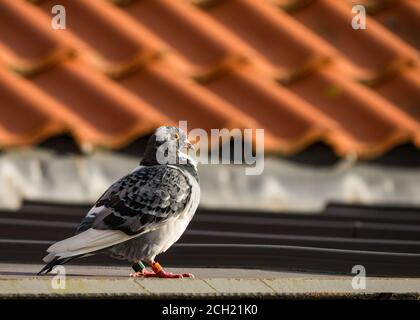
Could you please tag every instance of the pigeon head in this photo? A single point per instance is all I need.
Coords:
(172, 136)
(167, 145)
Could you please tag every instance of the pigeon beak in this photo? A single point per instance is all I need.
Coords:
(190, 146)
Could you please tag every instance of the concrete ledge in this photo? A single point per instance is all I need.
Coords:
(293, 287)
(18, 280)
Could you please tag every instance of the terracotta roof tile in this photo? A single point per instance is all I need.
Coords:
(402, 18)
(403, 91)
(290, 5)
(373, 5)
(27, 42)
(183, 99)
(369, 53)
(192, 35)
(142, 63)
(108, 114)
(290, 123)
(369, 123)
(112, 41)
(270, 33)
(36, 124)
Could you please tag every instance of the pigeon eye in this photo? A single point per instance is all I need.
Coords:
(177, 136)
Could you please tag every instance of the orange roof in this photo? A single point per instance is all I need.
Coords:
(295, 68)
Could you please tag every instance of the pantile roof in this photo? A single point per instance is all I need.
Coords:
(295, 68)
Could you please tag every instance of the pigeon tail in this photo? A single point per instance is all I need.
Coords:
(55, 262)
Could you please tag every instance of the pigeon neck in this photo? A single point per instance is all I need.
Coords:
(183, 161)
(188, 164)
(150, 159)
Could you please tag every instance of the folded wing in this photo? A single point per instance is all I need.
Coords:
(137, 203)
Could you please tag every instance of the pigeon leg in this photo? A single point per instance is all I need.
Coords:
(161, 273)
(141, 271)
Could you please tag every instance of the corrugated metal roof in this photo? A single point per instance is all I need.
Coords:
(383, 240)
(293, 67)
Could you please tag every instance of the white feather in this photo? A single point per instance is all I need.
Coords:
(89, 241)
(49, 257)
(162, 133)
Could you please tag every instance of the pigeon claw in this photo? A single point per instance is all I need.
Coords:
(142, 274)
(169, 275)
(188, 275)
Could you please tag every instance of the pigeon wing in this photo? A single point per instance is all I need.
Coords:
(142, 200)
(137, 203)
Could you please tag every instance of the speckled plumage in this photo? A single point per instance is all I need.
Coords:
(142, 214)
(140, 200)
(144, 202)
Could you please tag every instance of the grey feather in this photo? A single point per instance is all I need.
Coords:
(143, 213)
(140, 201)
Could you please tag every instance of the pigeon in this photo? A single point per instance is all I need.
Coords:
(143, 213)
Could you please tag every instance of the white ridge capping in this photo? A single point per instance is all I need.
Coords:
(41, 175)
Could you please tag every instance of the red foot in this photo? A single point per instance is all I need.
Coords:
(170, 275)
(159, 272)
